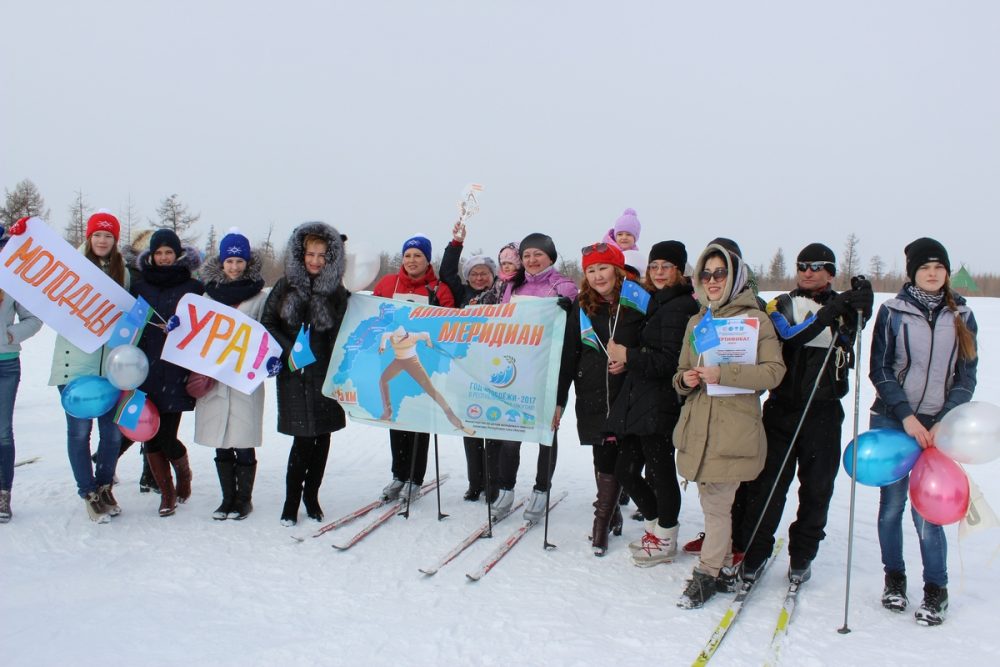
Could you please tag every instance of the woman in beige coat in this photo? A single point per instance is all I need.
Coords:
(720, 439)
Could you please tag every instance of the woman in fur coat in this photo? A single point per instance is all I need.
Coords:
(310, 294)
(224, 418)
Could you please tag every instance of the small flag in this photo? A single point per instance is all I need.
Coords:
(704, 337)
(130, 408)
(128, 329)
(634, 296)
(587, 334)
(301, 354)
(141, 312)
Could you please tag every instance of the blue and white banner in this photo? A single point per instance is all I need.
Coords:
(486, 371)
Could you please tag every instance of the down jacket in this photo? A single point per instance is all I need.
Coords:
(224, 417)
(163, 287)
(319, 302)
(721, 438)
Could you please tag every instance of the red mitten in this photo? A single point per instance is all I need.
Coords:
(18, 227)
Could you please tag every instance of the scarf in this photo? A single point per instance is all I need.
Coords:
(929, 300)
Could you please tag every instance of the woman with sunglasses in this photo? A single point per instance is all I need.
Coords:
(647, 408)
(598, 377)
(537, 278)
(720, 439)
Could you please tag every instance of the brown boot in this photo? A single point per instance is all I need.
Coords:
(183, 470)
(607, 501)
(160, 467)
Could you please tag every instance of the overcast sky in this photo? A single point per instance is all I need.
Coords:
(774, 123)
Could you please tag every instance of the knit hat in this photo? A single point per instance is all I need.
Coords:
(628, 222)
(922, 251)
(670, 251)
(421, 243)
(541, 242)
(103, 221)
(603, 253)
(817, 252)
(234, 244)
(728, 244)
(478, 260)
(165, 237)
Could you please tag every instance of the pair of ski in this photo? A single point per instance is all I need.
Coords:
(736, 606)
(501, 550)
(392, 508)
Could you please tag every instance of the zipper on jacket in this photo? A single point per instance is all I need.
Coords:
(931, 321)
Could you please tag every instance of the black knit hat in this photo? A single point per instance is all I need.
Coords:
(541, 242)
(817, 252)
(669, 251)
(922, 251)
(164, 237)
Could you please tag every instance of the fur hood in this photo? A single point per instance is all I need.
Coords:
(211, 270)
(303, 289)
(190, 259)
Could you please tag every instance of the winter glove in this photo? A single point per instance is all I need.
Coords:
(18, 227)
(273, 366)
(565, 303)
(172, 323)
(836, 307)
(861, 297)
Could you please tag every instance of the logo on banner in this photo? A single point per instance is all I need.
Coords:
(505, 373)
(474, 411)
(493, 414)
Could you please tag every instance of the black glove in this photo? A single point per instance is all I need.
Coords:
(565, 303)
(860, 297)
(273, 366)
(836, 307)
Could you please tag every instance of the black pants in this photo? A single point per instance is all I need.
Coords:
(658, 496)
(409, 450)
(510, 461)
(304, 474)
(474, 463)
(605, 456)
(244, 456)
(165, 439)
(817, 454)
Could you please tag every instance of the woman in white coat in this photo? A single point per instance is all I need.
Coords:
(225, 418)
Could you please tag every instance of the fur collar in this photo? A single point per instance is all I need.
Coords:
(309, 298)
(211, 270)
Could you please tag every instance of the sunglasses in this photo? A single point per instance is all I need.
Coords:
(719, 275)
(594, 247)
(812, 266)
(661, 266)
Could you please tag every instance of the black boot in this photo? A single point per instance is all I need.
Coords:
(227, 481)
(474, 468)
(700, 587)
(314, 478)
(147, 481)
(294, 476)
(607, 502)
(245, 475)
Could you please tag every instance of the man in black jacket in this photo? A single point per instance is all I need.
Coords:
(809, 319)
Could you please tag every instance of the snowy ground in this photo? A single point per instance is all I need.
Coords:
(187, 590)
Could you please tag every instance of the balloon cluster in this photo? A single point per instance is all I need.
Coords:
(939, 487)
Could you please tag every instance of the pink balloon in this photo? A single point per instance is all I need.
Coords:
(939, 489)
(149, 424)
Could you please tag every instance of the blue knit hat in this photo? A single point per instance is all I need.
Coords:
(421, 243)
(234, 244)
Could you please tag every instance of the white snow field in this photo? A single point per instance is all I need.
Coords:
(187, 590)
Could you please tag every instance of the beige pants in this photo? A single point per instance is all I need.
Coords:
(717, 505)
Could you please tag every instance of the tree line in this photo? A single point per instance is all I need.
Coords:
(173, 213)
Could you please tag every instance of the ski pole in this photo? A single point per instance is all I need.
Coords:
(548, 492)
(413, 471)
(486, 489)
(854, 467)
(437, 476)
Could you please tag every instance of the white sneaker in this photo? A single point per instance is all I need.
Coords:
(501, 506)
(536, 506)
(660, 546)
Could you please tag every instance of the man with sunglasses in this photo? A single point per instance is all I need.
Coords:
(808, 320)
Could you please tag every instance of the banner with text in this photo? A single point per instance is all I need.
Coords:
(219, 341)
(63, 288)
(488, 371)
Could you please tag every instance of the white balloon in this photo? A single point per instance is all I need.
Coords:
(362, 265)
(127, 367)
(970, 433)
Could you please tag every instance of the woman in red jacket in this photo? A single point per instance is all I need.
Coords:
(414, 282)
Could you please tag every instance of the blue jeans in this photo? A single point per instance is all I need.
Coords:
(10, 377)
(892, 501)
(78, 448)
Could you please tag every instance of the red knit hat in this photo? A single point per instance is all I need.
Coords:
(102, 221)
(603, 253)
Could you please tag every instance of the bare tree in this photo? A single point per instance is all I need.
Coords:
(24, 201)
(128, 216)
(76, 228)
(876, 267)
(777, 271)
(174, 215)
(571, 269)
(850, 262)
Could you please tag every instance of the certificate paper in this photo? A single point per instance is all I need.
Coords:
(737, 345)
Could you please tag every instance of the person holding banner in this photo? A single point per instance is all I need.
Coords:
(597, 317)
(480, 278)
(414, 282)
(720, 435)
(536, 279)
(923, 364)
(307, 306)
(167, 275)
(11, 337)
(69, 362)
(224, 418)
(647, 408)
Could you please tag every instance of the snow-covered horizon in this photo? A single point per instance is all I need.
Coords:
(188, 590)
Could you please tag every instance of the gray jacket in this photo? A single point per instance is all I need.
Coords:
(12, 334)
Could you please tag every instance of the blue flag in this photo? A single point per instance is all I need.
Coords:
(704, 337)
(634, 296)
(141, 312)
(127, 329)
(130, 409)
(301, 354)
(587, 334)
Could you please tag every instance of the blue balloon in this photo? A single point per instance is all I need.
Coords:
(89, 397)
(885, 456)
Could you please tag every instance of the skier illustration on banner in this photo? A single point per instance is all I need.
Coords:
(404, 347)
